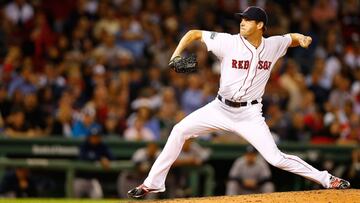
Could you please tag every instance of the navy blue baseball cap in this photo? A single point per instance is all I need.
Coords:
(254, 13)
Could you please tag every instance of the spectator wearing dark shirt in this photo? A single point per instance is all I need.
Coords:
(321, 94)
(93, 149)
(34, 115)
(16, 125)
(18, 183)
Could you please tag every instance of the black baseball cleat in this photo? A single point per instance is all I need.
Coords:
(338, 183)
(141, 191)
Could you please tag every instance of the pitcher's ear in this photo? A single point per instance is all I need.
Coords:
(260, 25)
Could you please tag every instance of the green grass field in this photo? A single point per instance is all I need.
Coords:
(62, 201)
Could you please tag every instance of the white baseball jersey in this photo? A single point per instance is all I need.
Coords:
(245, 69)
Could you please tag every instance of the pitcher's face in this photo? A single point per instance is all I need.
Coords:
(248, 27)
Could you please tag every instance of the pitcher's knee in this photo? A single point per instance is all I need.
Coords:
(277, 161)
(179, 131)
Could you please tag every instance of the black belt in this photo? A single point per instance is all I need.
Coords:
(235, 104)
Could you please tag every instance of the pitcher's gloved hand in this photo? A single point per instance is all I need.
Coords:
(184, 64)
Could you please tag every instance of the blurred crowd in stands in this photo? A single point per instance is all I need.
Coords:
(68, 66)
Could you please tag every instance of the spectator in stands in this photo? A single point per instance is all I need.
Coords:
(305, 26)
(138, 131)
(313, 81)
(46, 100)
(278, 121)
(151, 121)
(131, 36)
(137, 85)
(86, 122)
(111, 124)
(62, 124)
(330, 50)
(98, 80)
(193, 96)
(249, 174)
(154, 78)
(108, 23)
(298, 130)
(115, 122)
(94, 150)
(143, 159)
(354, 125)
(167, 112)
(34, 115)
(18, 183)
(16, 125)
(349, 124)
(52, 82)
(112, 54)
(341, 94)
(275, 93)
(100, 102)
(147, 97)
(307, 103)
(193, 155)
(293, 81)
(24, 82)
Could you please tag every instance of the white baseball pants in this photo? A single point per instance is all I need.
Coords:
(246, 121)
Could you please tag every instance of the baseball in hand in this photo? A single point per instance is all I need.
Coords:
(305, 41)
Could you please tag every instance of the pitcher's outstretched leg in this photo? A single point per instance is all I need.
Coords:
(203, 120)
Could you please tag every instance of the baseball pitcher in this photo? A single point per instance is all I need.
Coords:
(246, 61)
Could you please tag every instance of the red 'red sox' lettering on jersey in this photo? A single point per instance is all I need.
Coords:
(265, 65)
(240, 64)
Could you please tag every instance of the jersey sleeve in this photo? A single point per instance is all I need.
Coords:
(216, 42)
(282, 44)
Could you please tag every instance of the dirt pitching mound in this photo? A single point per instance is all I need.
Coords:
(326, 196)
